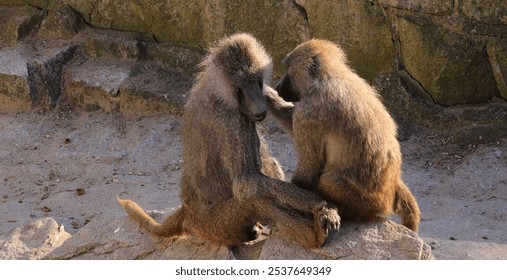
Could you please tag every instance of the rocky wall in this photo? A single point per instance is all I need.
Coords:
(449, 52)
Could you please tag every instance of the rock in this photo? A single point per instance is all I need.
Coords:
(123, 239)
(198, 23)
(30, 76)
(41, 4)
(362, 30)
(370, 241)
(413, 112)
(174, 55)
(492, 11)
(45, 74)
(114, 44)
(445, 63)
(60, 23)
(497, 54)
(14, 93)
(153, 89)
(18, 22)
(425, 6)
(408, 108)
(124, 87)
(32, 241)
(94, 85)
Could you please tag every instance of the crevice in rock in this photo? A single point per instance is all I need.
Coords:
(496, 68)
(413, 85)
(78, 251)
(304, 31)
(455, 8)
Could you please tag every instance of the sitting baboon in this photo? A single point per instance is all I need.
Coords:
(344, 137)
(228, 182)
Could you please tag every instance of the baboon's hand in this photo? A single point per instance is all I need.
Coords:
(261, 233)
(331, 218)
(326, 219)
(274, 100)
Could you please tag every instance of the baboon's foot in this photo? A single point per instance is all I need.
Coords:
(261, 233)
(326, 219)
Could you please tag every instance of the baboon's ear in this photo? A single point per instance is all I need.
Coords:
(314, 68)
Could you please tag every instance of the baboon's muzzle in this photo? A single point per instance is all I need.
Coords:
(252, 101)
(286, 90)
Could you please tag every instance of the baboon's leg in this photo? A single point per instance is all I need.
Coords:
(406, 206)
(311, 233)
(355, 205)
(259, 185)
(231, 222)
(227, 222)
(289, 196)
(172, 225)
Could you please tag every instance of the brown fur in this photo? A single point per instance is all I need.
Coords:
(228, 182)
(343, 135)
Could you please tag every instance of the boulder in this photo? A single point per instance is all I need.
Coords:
(122, 238)
(119, 86)
(198, 23)
(497, 54)
(107, 44)
(18, 22)
(45, 72)
(175, 55)
(443, 7)
(61, 22)
(384, 240)
(153, 89)
(93, 85)
(492, 11)
(445, 63)
(33, 240)
(41, 4)
(14, 93)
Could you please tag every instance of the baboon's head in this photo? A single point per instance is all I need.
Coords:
(245, 67)
(307, 65)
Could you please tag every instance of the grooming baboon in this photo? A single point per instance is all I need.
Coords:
(344, 137)
(228, 181)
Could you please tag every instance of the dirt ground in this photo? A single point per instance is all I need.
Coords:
(70, 166)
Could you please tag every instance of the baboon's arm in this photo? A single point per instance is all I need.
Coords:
(310, 164)
(281, 109)
(253, 185)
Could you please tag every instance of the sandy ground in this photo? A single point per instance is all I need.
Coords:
(71, 166)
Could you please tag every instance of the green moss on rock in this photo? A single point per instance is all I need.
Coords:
(18, 22)
(452, 68)
(491, 11)
(441, 7)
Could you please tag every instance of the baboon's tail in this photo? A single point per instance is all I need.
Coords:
(172, 226)
(406, 206)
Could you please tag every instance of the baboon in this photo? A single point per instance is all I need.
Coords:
(229, 180)
(343, 135)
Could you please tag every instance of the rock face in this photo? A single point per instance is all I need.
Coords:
(448, 52)
(32, 241)
(443, 62)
